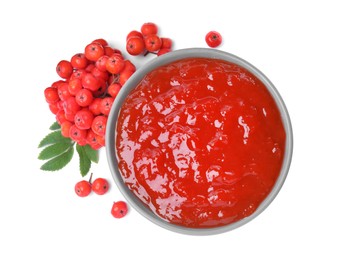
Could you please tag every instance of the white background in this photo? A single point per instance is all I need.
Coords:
(293, 42)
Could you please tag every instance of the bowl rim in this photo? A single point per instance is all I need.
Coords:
(136, 78)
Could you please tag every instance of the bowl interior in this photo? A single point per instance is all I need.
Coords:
(132, 83)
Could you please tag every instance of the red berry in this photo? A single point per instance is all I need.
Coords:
(77, 134)
(99, 74)
(166, 43)
(135, 46)
(78, 74)
(64, 69)
(74, 86)
(63, 91)
(101, 63)
(100, 186)
(124, 76)
(84, 97)
(99, 125)
(106, 105)
(54, 108)
(93, 140)
(94, 51)
(83, 188)
(94, 107)
(83, 119)
(113, 89)
(134, 34)
(70, 106)
(65, 126)
(108, 51)
(69, 116)
(90, 82)
(128, 65)
(119, 209)
(152, 42)
(101, 140)
(213, 39)
(51, 95)
(79, 61)
(60, 117)
(90, 67)
(149, 28)
(115, 64)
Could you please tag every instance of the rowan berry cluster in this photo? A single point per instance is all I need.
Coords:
(82, 99)
(147, 41)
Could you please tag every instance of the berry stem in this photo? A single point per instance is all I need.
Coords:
(90, 178)
(147, 52)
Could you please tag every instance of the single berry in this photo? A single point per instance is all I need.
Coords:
(124, 76)
(90, 82)
(84, 97)
(94, 107)
(128, 65)
(94, 51)
(64, 69)
(74, 86)
(99, 125)
(79, 61)
(83, 188)
(63, 91)
(70, 106)
(78, 74)
(92, 140)
(135, 46)
(83, 119)
(108, 51)
(53, 107)
(65, 126)
(115, 64)
(101, 63)
(119, 209)
(152, 42)
(113, 89)
(213, 39)
(77, 134)
(100, 186)
(51, 95)
(166, 43)
(106, 105)
(149, 28)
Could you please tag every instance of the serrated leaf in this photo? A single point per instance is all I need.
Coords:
(59, 162)
(54, 150)
(85, 162)
(91, 153)
(55, 126)
(52, 138)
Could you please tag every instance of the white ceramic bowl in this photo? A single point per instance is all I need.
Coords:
(132, 83)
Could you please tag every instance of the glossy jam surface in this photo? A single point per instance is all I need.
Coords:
(200, 142)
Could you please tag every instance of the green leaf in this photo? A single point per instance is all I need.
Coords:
(55, 126)
(85, 162)
(52, 138)
(54, 150)
(59, 161)
(91, 153)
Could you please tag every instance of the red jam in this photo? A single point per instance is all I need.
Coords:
(200, 142)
